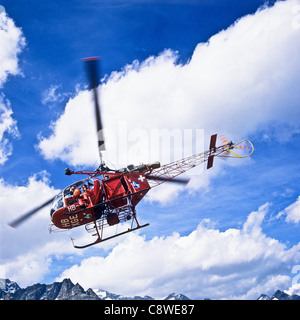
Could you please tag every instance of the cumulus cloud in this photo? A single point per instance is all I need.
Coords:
(244, 79)
(52, 95)
(24, 197)
(76, 125)
(294, 289)
(11, 44)
(25, 252)
(292, 212)
(8, 128)
(233, 264)
(241, 82)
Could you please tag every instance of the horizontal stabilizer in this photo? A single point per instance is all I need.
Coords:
(212, 145)
(210, 161)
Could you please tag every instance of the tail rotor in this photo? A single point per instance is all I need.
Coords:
(242, 149)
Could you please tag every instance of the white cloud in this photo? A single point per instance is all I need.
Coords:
(52, 95)
(8, 128)
(24, 197)
(242, 82)
(294, 289)
(25, 252)
(236, 263)
(11, 44)
(74, 137)
(233, 264)
(292, 212)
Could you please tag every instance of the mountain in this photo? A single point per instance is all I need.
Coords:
(7, 288)
(176, 296)
(105, 295)
(279, 295)
(65, 290)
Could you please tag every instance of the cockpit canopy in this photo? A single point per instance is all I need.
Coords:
(58, 201)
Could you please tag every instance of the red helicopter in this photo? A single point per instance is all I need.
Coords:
(109, 197)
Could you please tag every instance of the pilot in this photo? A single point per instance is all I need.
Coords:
(75, 191)
(75, 194)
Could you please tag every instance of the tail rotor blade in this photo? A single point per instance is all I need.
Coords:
(243, 147)
(223, 139)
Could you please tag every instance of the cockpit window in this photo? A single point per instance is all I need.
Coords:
(67, 191)
(57, 203)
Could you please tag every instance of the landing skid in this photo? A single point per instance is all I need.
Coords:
(108, 238)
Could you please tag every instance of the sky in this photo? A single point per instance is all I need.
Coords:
(173, 73)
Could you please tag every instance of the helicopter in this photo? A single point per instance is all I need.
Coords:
(110, 196)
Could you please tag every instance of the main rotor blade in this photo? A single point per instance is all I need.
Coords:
(27, 215)
(91, 65)
(166, 179)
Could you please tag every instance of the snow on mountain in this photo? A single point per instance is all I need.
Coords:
(176, 296)
(8, 286)
(64, 290)
(279, 295)
(105, 295)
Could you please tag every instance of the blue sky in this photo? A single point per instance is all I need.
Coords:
(219, 66)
